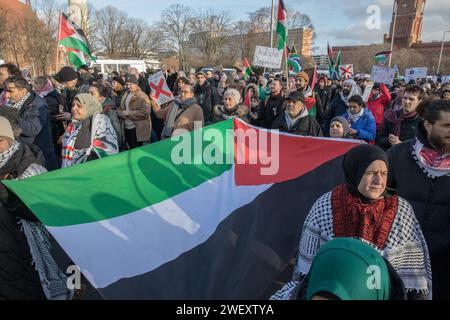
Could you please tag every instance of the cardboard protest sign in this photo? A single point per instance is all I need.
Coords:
(267, 57)
(383, 75)
(160, 89)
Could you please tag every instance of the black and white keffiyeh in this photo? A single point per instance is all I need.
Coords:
(18, 105)
(405, 248)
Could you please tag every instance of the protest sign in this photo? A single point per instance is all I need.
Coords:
(267, 57)
(415, 73)
(160, 89)
(382, 75)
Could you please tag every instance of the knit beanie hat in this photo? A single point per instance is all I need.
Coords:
(344, 123)
(119, 80)
(66, 74)
(303, 75)
(234, 94)
(131, 78)
(6, 129)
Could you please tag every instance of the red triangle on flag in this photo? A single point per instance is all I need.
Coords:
(65, 29)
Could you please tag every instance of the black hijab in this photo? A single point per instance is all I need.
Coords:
(356, 162)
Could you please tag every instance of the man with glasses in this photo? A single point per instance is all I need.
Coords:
(183, 113)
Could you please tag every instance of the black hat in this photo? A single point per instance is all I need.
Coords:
(66, 74)
(296, 96)
(84, 67)
(131, 78)
(119, 80)
(376, 86)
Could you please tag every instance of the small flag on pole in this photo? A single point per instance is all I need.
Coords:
(382, 57)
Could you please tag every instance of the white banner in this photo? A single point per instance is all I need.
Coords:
(415, 73)
(267, 57)
(383, 75)
(160, 89)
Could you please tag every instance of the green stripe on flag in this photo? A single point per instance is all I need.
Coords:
(281, 32)
(123, 183)
(74, 43)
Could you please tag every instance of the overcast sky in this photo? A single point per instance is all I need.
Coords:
(340, 22)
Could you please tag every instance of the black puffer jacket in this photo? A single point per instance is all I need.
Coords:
(430, 198)
(269, 109)
(18, 277)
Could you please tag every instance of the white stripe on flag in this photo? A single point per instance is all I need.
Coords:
(139, 242)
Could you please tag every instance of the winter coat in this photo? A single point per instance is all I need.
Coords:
(407, 131)
(269, 109)
(19, 279)
(185, 120)
(430, 199)
(365, 126)
(207, 97)
(337, 107)
(139, 113)
(54, 100)
(36, 129)
(109, 110)
(378, 106)
(306, 126)
(221, 114)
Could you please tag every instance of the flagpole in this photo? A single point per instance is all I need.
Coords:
(57, 42)
(286, 59)
(271, 23)
(393, 31)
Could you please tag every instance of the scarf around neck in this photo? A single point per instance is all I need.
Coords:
(397, 118)
(6, 155)
(18, 105)
(432, 162)
(355, 117)
(290, 123)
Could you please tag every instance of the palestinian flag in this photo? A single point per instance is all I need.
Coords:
(145, 224)
(71, 36)
(337, 65)
(247, 69)
(281, 26)
(382, 57)
(76, 57)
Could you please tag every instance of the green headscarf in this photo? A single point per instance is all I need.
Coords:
(89, 103)
(350, 270)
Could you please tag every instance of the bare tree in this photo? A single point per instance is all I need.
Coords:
(110, 31)
(210, 31)
(176, 28)
(141, 40)
(4, 18)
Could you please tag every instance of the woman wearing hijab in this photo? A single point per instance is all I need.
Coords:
(362, 209)
(350, 269)
(90, 135)
(27, 269)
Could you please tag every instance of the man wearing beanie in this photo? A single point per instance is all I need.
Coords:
(68, 77)
(118, 86)
(295, 119)
(135, 111)
(231, 108)
(312, 103)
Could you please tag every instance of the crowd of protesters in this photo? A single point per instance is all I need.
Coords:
(395, 198)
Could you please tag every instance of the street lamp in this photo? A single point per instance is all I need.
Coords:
(442, 49)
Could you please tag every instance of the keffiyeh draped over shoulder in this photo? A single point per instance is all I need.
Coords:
(103, 141)
(405, 248)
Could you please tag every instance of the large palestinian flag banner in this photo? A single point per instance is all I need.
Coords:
(212, 214)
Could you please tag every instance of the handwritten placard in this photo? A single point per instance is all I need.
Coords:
(267, 57)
